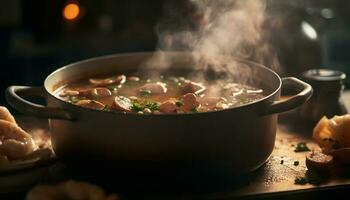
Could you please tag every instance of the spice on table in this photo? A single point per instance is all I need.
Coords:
(301, 147)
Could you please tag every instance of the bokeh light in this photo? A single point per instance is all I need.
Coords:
(71, 11)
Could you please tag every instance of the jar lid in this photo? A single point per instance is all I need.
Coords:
(324, 75)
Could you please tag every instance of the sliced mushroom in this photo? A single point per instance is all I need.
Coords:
(319, 162)
(168, 106)
(154, 88)
(90, 104)
(108, 81)
(95, 92)
(133, 78)
(69, 93)
(122, 103)
(147, 111)
(191, 87)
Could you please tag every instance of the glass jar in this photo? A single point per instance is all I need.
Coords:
(326, 100)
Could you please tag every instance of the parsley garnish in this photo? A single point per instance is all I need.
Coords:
(145, 92)
(112, 87)
(179, 103)
(106, 108)
(74, 99)
(301, 147)
(301, 181)
(194, 110)
(152, 105)
(137, 106)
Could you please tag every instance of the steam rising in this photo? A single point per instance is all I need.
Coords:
(215, 32)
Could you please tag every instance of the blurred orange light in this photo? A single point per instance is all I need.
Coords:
(71, 11)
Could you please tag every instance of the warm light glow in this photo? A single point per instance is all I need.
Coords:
(71, 11)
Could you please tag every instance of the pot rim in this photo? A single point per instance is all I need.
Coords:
(99, 58)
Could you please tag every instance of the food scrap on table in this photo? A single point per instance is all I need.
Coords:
(333, 137)
(69, 190)
(16, 144)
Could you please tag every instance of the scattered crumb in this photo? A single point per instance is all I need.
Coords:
(296, 163)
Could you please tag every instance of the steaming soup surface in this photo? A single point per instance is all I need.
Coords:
(160, 95)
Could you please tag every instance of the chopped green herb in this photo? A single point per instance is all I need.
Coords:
(112, 87)
(152, 105)
(136, 107)
(145, 92)
(179, 103)
(194, 110)
(301, 181)
(311, 177)
(296, 163)
(301, 147)
(74, 99)
(106, 108)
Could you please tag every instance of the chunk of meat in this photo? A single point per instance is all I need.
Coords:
(108, 81)
(15, 142)
(168, 106)
(192, 87)
(122, 103)
(190, 102)
(318, 161)
(95, 92)
(6, 115)
(70, 190)
(91, 104)
(154, 88)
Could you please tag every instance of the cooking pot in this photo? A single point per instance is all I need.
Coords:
(238, 139)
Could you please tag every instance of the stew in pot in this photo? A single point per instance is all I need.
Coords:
(164, 94)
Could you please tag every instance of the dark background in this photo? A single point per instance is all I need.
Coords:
(35, 39)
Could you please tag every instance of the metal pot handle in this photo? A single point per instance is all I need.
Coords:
(14, 96)
(305, 92)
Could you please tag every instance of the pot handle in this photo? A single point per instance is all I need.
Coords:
(14, 97)
(305, 92)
